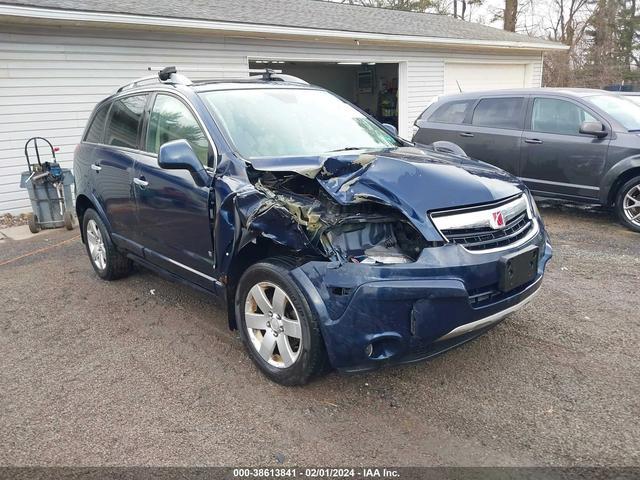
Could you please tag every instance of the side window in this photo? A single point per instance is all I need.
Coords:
(452, 112)
(172, 120)
(95, 133)
(505, 112)
(124, 121)
(551, 115)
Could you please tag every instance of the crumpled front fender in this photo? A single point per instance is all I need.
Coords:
(247, 214)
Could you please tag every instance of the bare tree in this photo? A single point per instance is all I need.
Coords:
(567, 22)
(510, 15)
(407, 5)
(457, 8)
(629, 35)
(520, 15)
(464, 10)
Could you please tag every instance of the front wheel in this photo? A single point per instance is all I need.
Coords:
(628, 204)
(276, 324)
(68, 220)
(107, 262)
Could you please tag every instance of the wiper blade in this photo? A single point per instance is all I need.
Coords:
(348, 148)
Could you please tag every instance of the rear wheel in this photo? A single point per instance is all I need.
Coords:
(32, 221)
(107, 262)
(628, 204)
(276, 324)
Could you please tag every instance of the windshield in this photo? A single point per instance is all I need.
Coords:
(624, 111)
(292, 122)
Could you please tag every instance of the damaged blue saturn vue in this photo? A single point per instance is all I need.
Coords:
(331, 240)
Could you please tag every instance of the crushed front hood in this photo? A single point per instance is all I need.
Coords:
(414, 180)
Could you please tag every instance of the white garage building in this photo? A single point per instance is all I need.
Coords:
(59, 57)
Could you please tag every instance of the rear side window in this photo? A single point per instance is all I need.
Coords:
(551, 115)
(452, 112)
(172, 120)
(499, 113)
(124, 121)
(95, 134)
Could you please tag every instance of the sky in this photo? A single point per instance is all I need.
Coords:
(530, 21)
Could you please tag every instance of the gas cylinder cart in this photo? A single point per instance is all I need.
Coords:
(49, 187)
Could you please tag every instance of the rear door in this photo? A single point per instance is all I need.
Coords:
(494, 132)
(113, 162)
(445, 123)
(173, 211)
(557, 159)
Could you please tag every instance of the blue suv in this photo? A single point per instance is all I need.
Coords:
(331, 240)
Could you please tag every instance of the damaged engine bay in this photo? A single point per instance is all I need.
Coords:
(366, 232)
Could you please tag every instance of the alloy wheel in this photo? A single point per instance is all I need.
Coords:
(96, 245)
(273, 325)
(631, 205)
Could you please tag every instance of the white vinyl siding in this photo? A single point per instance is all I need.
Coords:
(50, 79)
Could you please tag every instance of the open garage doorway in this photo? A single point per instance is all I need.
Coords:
(371, 86)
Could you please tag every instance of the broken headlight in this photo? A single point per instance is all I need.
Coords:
(382, 242)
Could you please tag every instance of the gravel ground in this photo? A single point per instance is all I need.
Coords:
(145, 372)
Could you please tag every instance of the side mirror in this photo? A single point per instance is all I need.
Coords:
(449, 147)
(593, 128)
(391, 129)
(178, 155)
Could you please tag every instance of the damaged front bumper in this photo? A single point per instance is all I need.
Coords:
(378, 315)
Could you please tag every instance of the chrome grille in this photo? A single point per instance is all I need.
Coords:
(488, 227)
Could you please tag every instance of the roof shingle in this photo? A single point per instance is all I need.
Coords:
(314, 14)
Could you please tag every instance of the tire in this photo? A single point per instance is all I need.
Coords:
(68, 220)
(306, 355)
(108, 263)
(32, 221)
(629, 195)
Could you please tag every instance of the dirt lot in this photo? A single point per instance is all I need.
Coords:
(142, 371)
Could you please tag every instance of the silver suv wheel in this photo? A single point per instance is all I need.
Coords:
(106, 260)
(273, 325)
(96, 245)
(631, 205)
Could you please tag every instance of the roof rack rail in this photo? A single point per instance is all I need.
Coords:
(168, 75)
(269, 75)
(233, 79)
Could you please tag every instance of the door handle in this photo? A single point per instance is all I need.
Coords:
(96, 167)
(466, 134)
(534, 141)
(140, 181)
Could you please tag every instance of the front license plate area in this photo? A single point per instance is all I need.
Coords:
(518, 268)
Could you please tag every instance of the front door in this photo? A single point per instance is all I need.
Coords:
(556, 157)
(173, 211)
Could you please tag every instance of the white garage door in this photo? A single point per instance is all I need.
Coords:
(477, 76)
